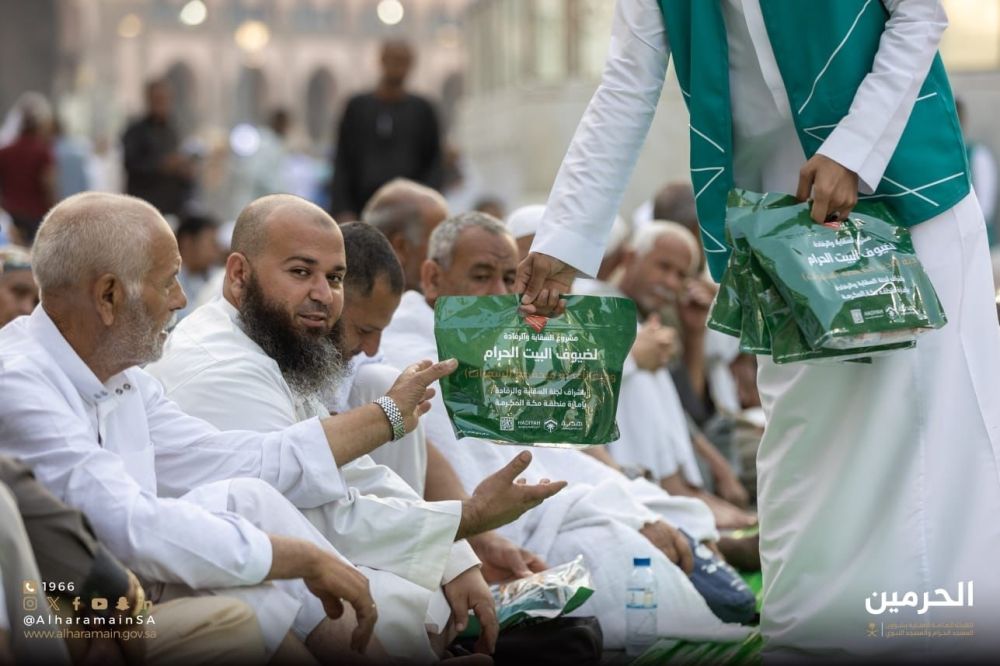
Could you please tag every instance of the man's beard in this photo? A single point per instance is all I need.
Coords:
(137, 338)
(308, 361)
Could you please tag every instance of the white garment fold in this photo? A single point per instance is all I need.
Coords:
(288, 604)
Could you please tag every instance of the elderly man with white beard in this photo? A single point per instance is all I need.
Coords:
(473, 254)
(95, 429)
(256, 359)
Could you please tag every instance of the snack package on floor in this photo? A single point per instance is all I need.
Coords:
(797, 290)
(544, 595)
(532, 380)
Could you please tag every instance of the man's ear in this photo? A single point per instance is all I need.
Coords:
(430, 279)
(237, 276)
(108, 295)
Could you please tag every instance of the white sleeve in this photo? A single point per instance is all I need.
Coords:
(590, 184)
(150, 535)
(866, 138)
(407, 457)
(461, 559)
(369, 513)
(296, 460)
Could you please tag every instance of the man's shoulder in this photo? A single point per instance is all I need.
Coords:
(18, 347)
(26, 367)
(410, 335)
(375, 378)
(419, 100)
(206, 345)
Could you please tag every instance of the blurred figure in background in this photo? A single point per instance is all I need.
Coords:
(198, 243)
(406, 213)
(263, 169)
(384, 134)
(27, 169)
(675, 202)
(18, 291)
(72, 162)
(155, 168)
(491, 205)
(983, 166)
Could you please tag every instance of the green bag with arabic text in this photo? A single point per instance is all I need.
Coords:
(797, 291)
(855, 285)
(534, 380)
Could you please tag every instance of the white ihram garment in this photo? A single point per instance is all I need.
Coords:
(881, 477)
(214, 371)
(600, 521)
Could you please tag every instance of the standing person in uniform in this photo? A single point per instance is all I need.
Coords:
(875, 480)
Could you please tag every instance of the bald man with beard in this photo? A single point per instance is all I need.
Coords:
(258, 358)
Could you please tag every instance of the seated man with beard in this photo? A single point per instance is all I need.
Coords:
(474, 254)
(372, 289)
(257, 358)
(97, 431)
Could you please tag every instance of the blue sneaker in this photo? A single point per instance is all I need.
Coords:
(729, 597)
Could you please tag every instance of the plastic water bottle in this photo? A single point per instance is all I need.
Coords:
(640, 608)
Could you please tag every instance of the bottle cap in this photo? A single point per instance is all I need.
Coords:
(640, 561)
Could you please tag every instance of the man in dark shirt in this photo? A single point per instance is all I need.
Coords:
(385, 134)
(155, 170)
(26, 170)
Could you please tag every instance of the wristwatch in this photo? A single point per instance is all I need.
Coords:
(395, 416)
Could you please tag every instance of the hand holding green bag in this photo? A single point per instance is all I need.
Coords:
(858, 284)
(539, 381)
(800, 291)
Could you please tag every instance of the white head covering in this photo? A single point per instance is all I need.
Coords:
(525, 220)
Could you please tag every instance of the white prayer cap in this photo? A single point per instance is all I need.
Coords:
(525, 220)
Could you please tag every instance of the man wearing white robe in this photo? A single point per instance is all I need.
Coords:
(602, 521)
(91, 425)
(214, 370)
(872, 478)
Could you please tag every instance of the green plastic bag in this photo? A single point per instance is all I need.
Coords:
(548, 382)
(799, 291)
(855, 286)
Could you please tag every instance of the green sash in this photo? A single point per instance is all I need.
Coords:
(824, 49)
